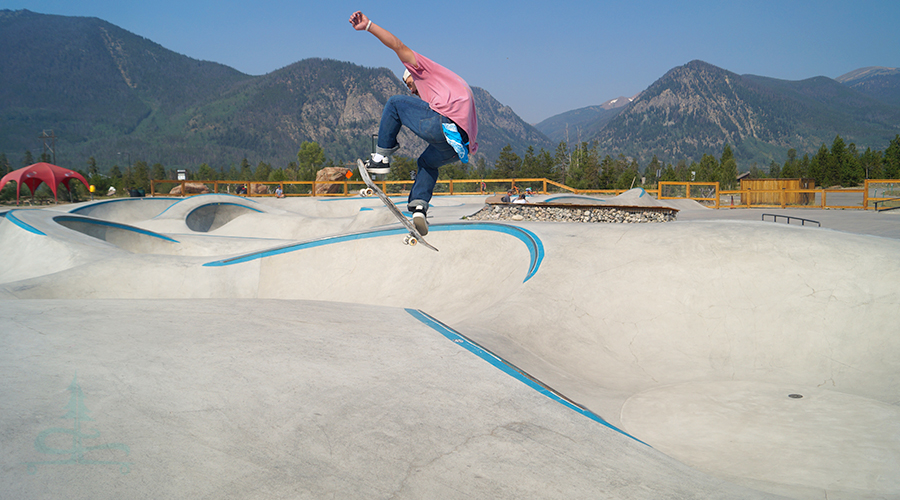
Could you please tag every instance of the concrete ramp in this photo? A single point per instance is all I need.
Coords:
(29, 253)
(126, 237)
(291, 399)
(736, 316)
(478, 265)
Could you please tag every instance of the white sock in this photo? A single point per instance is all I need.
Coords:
(377, 158)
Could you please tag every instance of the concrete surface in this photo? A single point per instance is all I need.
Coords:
(221, 347)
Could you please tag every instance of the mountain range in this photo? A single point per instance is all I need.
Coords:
(111, 94)
(697, 108)
(116, 96)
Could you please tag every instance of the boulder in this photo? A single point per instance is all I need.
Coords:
(191, 188)
(330, 174)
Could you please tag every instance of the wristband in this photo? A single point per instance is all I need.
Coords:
(369, 25)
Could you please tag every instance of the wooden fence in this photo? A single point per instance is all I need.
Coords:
(877, 194)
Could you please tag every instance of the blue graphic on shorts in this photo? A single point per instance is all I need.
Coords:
(455, 139)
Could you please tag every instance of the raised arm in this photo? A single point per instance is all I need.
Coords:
(362, 23)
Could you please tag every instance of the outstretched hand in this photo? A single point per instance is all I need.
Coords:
(359, 21)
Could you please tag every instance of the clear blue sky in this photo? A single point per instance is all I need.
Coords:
(540, 58)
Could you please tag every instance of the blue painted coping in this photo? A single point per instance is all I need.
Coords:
(119, 200)
(98, 222)
(28, 227)
(165, 198)
(213, 203)
(345, 198)
(511, 369)
(535, 247)
(217, 203)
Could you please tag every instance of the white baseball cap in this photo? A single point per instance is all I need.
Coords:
(406, 74)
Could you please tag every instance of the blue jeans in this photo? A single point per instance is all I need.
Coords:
(423, 121)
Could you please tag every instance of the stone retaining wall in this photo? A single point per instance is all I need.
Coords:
(564, 213)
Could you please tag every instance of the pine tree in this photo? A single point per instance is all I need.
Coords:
(158, 172)
(727, 154)
(246, 170)
(818, 166)
(584, 170)
(653, 171)
(310, 159)
(708, 169)
(92, 167)
(561, 162)
(891, 159)
(790, 169)
(508, 164)
(204, 172)
(870, 162)
(141, 173)
(261, 174)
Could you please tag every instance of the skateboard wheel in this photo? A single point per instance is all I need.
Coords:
(410, 240)
(362, 192)
(369, 192)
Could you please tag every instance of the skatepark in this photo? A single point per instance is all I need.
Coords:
(217, 346)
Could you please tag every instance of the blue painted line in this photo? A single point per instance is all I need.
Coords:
(228, 203)
(118, 200)
(531, 241)
(242, 198)
(28, 227)
(511, 370)
(301, 246)
(181, 200)
(344, 198)
(98, 222)
(167, 209)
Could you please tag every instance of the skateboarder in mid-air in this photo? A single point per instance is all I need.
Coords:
(443, 115)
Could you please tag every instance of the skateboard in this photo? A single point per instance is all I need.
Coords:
(411, 239)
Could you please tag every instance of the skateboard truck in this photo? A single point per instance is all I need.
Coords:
(411, 239)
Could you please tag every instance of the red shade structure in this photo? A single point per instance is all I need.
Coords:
(33, 175)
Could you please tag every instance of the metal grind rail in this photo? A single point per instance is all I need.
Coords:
(790, 218)
(879, 205)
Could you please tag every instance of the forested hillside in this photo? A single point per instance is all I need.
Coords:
(697, 108)
(107, 93)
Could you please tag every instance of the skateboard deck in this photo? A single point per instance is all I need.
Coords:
(413, 237)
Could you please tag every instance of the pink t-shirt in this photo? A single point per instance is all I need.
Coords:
(447, 94)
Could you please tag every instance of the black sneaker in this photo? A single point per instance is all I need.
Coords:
(381, 167)
(420, 222)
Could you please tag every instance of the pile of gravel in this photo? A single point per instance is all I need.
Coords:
(562, 213)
